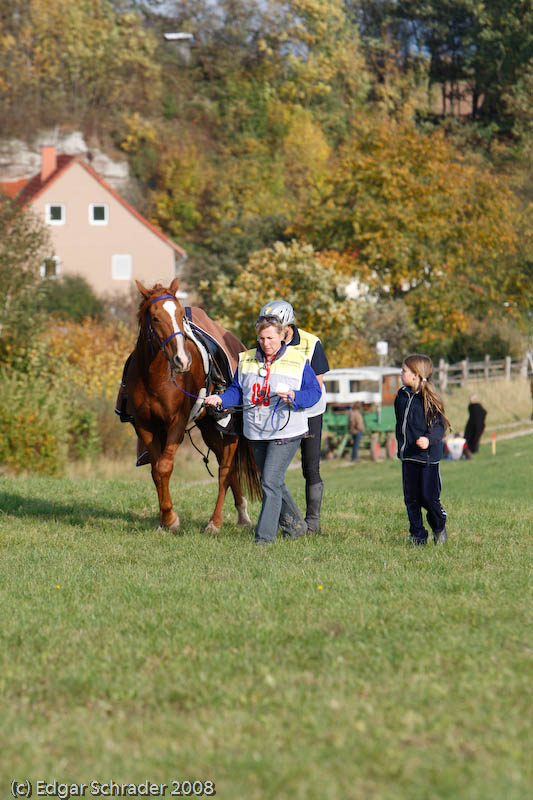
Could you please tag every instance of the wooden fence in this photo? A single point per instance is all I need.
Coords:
(489, 369)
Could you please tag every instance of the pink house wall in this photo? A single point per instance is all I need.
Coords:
(87, 250)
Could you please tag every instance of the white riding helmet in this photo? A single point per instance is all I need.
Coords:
(280, 309)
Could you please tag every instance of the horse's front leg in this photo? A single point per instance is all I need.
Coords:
(161, 471)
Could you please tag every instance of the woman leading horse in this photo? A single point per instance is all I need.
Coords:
(165, 382)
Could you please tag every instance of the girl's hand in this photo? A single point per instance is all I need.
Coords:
(212, 400)
(423, 442)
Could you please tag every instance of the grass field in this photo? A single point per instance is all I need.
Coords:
(346, 665)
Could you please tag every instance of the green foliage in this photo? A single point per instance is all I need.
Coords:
(83, 434)
(58, 397)
(62, 60)
(292, 272)
(44, 423)
(33, 425)
(477, 50)
(24, 242)
(71, 297)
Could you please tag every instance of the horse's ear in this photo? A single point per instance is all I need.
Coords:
(145, 293)
(174, 286)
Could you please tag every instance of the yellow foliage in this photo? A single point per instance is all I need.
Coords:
(138, 131)
(97, 353)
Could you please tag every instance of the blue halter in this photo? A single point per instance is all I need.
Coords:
(151, 332)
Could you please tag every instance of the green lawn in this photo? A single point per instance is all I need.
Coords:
(346, 665)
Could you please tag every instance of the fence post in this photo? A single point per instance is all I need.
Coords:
(443, 374)
(523, 368)
(507, 368)
(487, 368)
(464, 371)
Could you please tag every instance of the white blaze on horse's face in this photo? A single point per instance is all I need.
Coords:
(181, 358)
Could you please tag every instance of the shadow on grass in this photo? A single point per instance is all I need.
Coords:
(79, 514)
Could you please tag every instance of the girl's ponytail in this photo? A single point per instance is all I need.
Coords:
(422, 366)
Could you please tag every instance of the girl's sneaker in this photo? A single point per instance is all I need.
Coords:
(441, 537)
(418, 540)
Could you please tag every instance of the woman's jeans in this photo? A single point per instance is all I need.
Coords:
(279, 508)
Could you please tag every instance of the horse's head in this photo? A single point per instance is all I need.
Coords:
(162, 314)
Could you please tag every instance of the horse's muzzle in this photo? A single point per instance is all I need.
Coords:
(179, 365)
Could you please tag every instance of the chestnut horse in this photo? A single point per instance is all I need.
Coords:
(164, 381)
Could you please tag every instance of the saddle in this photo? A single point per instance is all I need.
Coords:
(220, 351)
(217, 365)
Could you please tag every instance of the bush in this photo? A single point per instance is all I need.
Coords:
(72, 298)
(33, 426)
(56, 402)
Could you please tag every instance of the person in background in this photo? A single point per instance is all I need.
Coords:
(475, 424)
(356, 427)
(275, 385)
(311, 346)
(455, 447)
(420, 428)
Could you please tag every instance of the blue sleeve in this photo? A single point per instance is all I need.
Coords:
(310, 393)
(233, 394)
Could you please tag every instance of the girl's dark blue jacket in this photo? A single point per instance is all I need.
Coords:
(411, 423)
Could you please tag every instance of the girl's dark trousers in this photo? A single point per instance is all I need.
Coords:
(421, 489)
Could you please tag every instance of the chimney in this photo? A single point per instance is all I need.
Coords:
(48, 162)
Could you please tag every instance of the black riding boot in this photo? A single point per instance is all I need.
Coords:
(313, 497)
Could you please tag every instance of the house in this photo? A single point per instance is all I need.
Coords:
(95, 232)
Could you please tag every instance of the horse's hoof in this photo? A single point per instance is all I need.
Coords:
(211, 528)
(242, 512)
(172, 527)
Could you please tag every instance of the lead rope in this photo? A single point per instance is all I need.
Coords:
(205, 458)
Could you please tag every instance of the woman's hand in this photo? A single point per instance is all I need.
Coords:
(287, 396)
(423, 442)
(212, 400)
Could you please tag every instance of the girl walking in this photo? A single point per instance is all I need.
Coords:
(420, 428)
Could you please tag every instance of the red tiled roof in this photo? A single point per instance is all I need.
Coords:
(33, 187)
(12, 188)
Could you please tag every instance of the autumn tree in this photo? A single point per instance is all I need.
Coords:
(295, 273)
(477, 48)
(423, 223)
(61, 60)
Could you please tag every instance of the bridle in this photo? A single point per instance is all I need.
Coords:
(152, 335)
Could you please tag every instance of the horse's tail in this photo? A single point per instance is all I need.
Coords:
(247, 469)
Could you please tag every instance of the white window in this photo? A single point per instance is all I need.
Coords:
(56, 214)
(50, 267)
(121, 267)
(98, 213)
